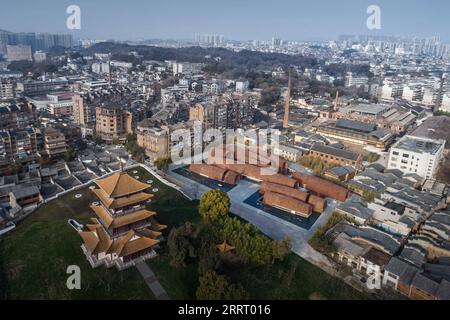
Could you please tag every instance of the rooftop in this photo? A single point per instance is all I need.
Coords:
(335, 152)
(356, 125)
(372, 109)
(419, 144)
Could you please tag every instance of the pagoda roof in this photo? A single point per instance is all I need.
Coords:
(116, 222)
(123, 201)
(120, 184)
(97, 241)
(156, 226)
(146, 232)
(224, 247)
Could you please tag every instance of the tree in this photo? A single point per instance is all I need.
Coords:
(214, 204)
(251, 244)
(162, 163)
(70, 154)
(136, 151)
(181, 243)
(216, 287)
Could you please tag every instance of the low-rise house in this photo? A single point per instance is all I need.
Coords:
(344, 173)
(356, 211)
(399, 275)
(434, 187)
(24, 196)
(288, 152)
(335, 156)
(395, 218)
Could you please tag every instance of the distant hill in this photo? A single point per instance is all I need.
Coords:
(249, 60)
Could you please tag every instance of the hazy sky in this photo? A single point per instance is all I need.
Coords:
(235, 19)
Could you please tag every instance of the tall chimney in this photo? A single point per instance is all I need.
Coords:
(287, 102)
(336, 101)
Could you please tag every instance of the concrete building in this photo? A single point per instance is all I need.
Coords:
(242, 86)
(7, 89)
(154, 140)
(82, 114)
(39, 56)
(352, 80)
(18, 53)
(55, 145)
(112, 123)
(61, 103)
(288, 152)
(416, 155)
(17, 146)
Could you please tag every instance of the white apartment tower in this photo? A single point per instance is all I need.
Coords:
(416, 155)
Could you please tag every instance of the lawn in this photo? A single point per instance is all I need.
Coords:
(295, 278)
(34, 258)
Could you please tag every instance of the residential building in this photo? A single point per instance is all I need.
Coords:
(154, 140)
(17, 146)
(18, 53)
(82, 114)
(289, 152)
(352, 80)
(7, 89)
(112, 123)
(416, 155)
(55, 145)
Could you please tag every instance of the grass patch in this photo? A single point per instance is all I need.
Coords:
(34, 257)
(319, 240)
(295, 278)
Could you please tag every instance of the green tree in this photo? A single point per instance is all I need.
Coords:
(162, 163)
(251, 244)
(213, 286)
(181, 243)
(70, 154)
(213, 205)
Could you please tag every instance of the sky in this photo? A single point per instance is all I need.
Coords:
(235, 19)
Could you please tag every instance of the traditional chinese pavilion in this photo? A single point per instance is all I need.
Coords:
(123, 231)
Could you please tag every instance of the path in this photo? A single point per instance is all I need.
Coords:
(151, 281)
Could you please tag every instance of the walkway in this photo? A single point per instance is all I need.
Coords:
(152, 282)
(270, 225)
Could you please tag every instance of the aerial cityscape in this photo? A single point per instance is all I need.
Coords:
(218, 152)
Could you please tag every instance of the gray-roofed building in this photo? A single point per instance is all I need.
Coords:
(335, 156)
(25, 196)
(400, 274)
(423, 288)
(344, 173)
(443, 292)
(355, 211)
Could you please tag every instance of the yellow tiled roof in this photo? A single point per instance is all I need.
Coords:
(120, 184)
(98, 241)
(137, 245)
(121, 202)
(156, 226)
(120, 221)
(224, 247)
